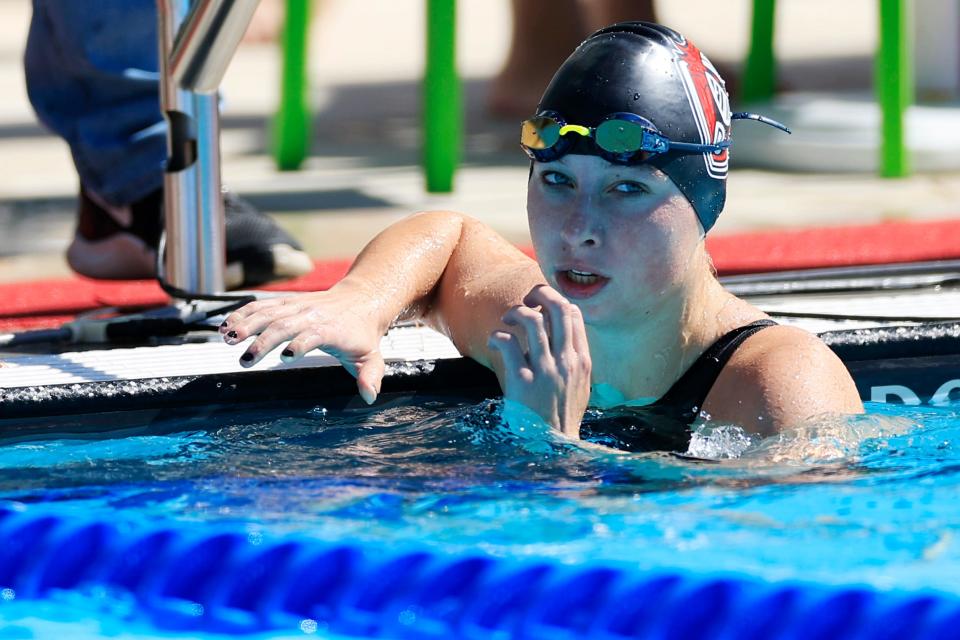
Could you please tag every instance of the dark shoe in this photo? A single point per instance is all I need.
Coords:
(120, 243)
(258, 249)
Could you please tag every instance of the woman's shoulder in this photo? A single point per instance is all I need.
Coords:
(780, 377)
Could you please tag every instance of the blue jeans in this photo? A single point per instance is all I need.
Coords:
(92, 77)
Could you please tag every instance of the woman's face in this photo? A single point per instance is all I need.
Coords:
(618, 241)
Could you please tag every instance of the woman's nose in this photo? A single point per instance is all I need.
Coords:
(580, 228)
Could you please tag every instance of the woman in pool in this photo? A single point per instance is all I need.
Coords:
(629, 153)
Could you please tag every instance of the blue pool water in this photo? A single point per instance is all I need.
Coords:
(868, 501)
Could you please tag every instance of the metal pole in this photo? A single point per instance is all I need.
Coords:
(210, 223)
(193, 203)
(209, 37)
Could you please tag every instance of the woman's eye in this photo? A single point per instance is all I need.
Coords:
(554, 178)
(629, 187)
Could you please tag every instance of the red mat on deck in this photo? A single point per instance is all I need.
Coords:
(48, 303)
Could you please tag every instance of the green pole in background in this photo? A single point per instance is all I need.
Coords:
(894, 86)
(442, 108)
(291, 131)
(760, 73)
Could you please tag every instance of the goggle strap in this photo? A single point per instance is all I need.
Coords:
(654, 142)
(743, 115)
(689, 147)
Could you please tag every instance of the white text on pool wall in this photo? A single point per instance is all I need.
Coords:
(905, 395)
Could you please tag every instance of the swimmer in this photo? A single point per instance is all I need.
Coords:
(621, 308)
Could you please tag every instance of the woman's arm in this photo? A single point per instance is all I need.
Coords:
(496, 306)
(448, 269)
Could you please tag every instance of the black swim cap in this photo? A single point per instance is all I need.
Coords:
(656, 73)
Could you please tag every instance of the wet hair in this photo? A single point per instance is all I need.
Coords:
(654, 72)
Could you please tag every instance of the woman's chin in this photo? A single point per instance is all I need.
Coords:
(595, 310)
(613, 309)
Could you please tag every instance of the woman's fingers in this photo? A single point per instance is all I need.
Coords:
(578, 333)
(240, 326)
(515, 365)
(304, 337)
(365, 365)
(306, 322)
(239, 315)
(276, 333)
(532, 323)
(314, 337)
(561, 316)
(370, 376)
(274, 322)
(555, 381)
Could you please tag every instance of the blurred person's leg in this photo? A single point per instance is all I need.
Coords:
(543, 34)
(601, 13)
(267, 22)
(92, 78)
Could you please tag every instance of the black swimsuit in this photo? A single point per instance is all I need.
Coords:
(665, 424)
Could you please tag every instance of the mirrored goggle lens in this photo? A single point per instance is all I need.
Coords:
(619, 136)
(539, 133)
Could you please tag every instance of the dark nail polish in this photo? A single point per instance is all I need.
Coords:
(287, 353)
(232, 334)
(247, 357)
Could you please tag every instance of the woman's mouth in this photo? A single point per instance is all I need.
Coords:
(575, 283)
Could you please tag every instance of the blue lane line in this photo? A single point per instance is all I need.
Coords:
(206, 578)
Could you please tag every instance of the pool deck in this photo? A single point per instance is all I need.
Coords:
(362, 173)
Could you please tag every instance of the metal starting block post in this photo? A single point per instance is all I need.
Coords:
(197, 42)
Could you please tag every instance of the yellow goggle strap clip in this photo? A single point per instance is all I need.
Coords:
(575, 128)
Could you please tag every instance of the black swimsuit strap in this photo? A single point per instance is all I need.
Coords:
(665, 424)
(687, 394)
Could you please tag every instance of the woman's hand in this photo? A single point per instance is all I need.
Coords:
(340, 321)
(552, 375)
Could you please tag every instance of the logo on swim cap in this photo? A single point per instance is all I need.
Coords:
(709, 103)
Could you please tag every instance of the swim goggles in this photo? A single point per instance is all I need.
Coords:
(619, 138)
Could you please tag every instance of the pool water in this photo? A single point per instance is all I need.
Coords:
(869, 500)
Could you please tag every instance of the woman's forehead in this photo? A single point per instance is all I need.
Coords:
(591, 163)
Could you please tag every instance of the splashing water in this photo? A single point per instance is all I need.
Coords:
(717, 442)
(832, 438)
